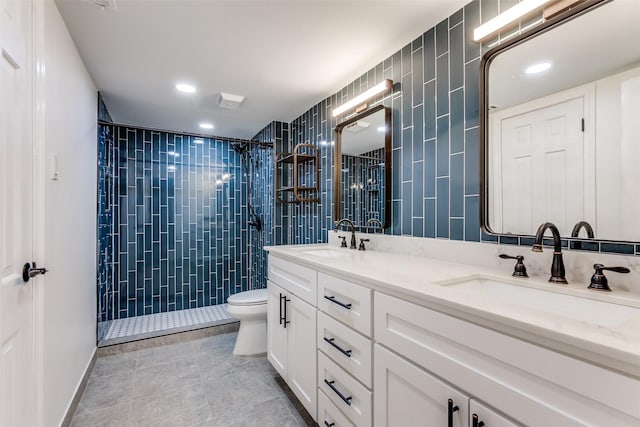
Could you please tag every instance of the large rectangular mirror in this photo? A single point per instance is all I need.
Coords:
(560, 118)
(362, 169)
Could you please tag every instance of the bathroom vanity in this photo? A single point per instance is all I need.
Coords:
(405, 340)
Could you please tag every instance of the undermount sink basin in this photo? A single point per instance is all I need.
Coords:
(326, 252)
(569, 306)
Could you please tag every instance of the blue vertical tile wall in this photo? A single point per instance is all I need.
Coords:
(435, 139)
(180, 237)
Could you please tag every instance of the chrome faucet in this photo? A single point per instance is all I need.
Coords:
(557, 266)
(587, 228)
(353, 231)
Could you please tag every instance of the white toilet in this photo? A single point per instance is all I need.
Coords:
(250, 308)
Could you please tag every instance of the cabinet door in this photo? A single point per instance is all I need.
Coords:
(276, 333)
(480, 415)
(302, 352)
(408, 396)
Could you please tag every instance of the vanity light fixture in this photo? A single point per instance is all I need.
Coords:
(381, 87)
(538, 68)
(206, 125)
(186, 88)
(508, 17)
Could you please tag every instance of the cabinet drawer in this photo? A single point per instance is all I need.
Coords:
(345, 301)
(329, 414)
(346, 347)
(351, 397)
(300, 281)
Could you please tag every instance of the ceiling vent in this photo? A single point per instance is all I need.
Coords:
(230, 101)
(358, 126)
(108, 5)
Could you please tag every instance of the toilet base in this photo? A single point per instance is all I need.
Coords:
(252, 338)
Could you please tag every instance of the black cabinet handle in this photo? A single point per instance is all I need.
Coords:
(285, 321)
(335, 301)
(326, 423)
(337, 347)
(345, 399)
(281, 318)
(450, 410)
(476, 422)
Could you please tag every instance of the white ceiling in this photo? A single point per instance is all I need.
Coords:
(283, 56)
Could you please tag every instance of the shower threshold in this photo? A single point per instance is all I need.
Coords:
(155, 325)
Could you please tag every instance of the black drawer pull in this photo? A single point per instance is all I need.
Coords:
(346, 400)
(335, 301)
(450, 410)
(326, 423)
(476, 422)
(337, 347)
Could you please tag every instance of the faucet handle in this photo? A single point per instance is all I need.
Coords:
(519, 270)
(344, 241)
(599, 281)
(361, 247)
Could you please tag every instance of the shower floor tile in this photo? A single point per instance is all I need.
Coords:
(153, 325)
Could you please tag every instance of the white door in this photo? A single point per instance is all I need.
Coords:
(542, 163)
(302, 352)
(17, 390)
(276, 333)
(409, 396)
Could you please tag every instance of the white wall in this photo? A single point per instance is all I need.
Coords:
(70, 209)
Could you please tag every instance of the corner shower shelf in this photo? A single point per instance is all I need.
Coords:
(297, 175)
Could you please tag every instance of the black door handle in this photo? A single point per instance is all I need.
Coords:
(29, 271)
(326, 423)
(476, 422)
(450, 410)
(281, 297)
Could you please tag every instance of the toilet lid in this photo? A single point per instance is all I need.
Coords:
(255, 297)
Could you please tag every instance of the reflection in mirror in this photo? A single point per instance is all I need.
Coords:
(561, 128)
(362, 172)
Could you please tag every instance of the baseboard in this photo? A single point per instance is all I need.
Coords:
(73, 406)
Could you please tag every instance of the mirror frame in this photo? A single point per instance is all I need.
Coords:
(483, 111)
(337, 164)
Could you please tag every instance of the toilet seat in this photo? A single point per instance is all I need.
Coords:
(254, 297)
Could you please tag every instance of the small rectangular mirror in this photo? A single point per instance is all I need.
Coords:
(362, 169)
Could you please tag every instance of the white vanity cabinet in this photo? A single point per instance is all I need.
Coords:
(345, 352)
(526, 384)
(291, 328)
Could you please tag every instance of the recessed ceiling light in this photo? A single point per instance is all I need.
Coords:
(538, 68)
(186, 88)
(198, 141)
(206, 125)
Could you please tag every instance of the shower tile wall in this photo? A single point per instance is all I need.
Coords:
(262, 199)
(180, 234)
(105, 225)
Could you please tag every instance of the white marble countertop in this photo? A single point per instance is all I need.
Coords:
(614, 344)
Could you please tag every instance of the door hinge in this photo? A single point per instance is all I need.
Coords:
(582, 124)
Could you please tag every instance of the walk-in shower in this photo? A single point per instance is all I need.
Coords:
(178, 219)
